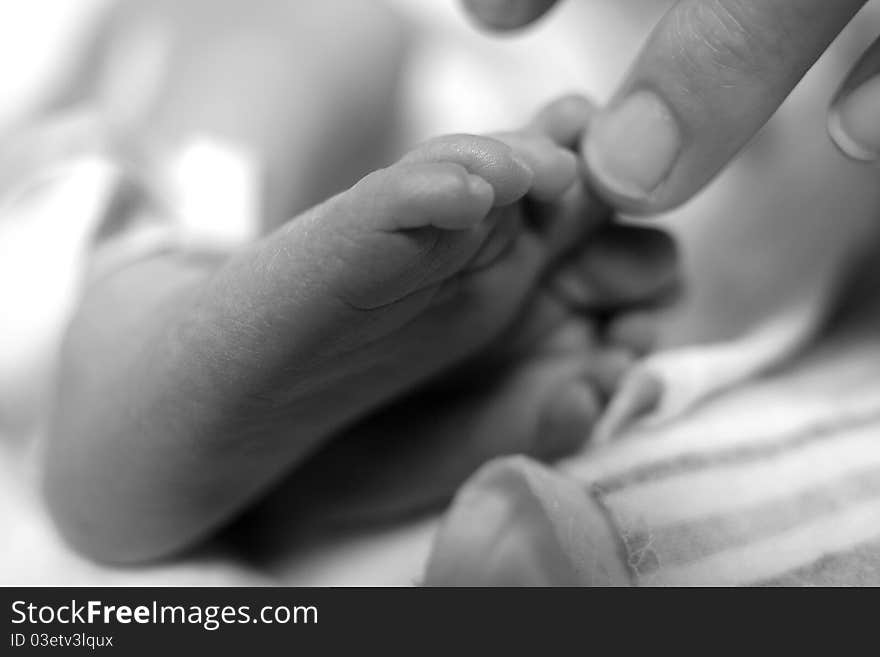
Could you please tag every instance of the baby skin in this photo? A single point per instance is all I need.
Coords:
(190, 385)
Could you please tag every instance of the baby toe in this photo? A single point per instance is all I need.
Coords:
(400, 230)
(554, 168)
(441, 194)
(494, 161)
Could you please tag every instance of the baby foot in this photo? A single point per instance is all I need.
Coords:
(540, 387)
(411, 271)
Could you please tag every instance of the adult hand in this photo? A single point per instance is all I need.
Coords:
(710, 75)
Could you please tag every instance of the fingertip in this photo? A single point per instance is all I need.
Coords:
(631, 149)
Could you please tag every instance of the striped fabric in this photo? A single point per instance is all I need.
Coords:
(776, 484)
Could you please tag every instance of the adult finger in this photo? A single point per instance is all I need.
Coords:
(711, 74)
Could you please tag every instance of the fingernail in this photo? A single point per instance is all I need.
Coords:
(632, 148)
(853, 122)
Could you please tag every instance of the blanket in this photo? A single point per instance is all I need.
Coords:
(777, 483)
